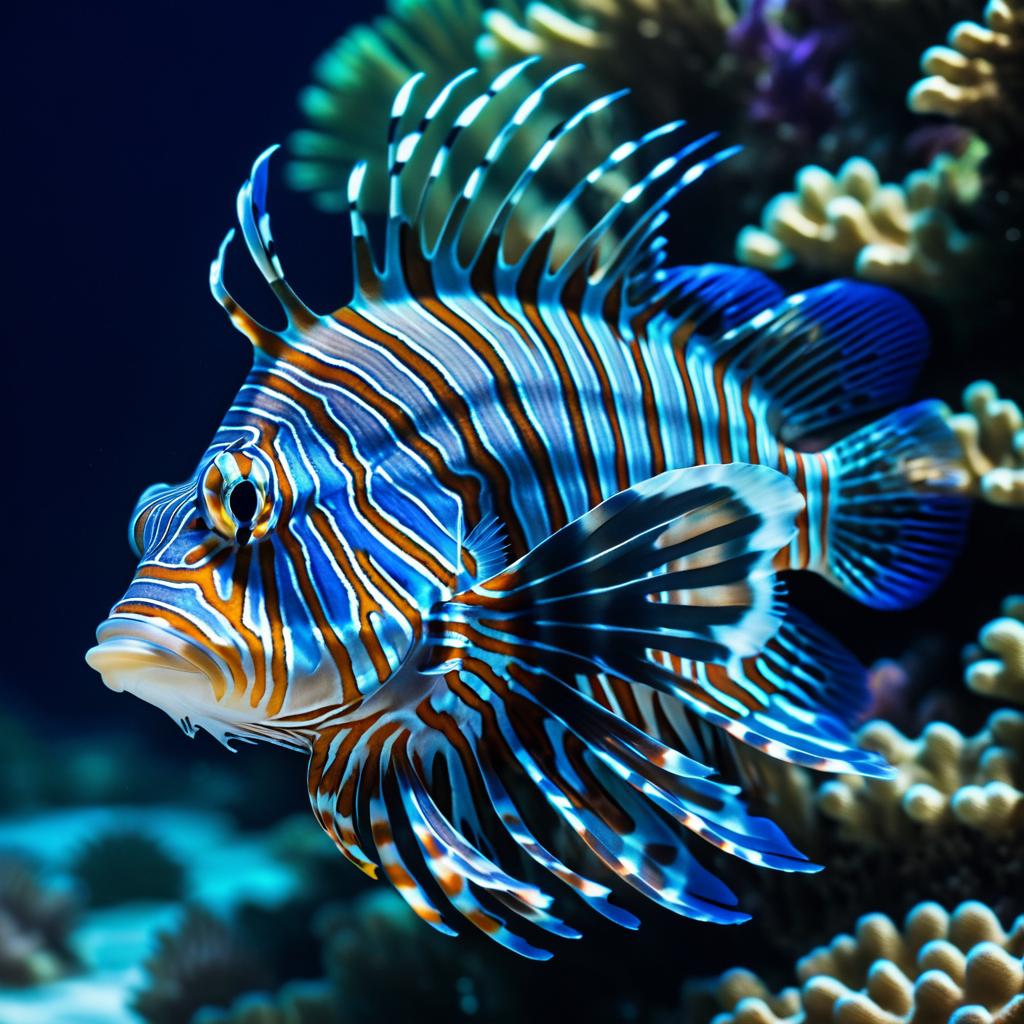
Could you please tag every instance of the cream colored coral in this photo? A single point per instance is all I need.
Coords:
(997, 662)
(977, 79)
(939, 967)
(903, 235)
(991, 434)
(941, 778)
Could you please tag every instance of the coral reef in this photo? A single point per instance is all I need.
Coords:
(851, 223)
(996, 663)
(376, 939)
(361, 73)
(300, 1002)
(940, 966)
(942, 778)
(35, 924)
(948, 826)
(662, 49)
(977, 79)
(202, 963)
(991, 434)
(125, 865)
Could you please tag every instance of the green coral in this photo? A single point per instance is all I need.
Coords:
(300, 1002)
(376, 939)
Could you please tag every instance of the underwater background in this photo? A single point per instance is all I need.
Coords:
(147, 877)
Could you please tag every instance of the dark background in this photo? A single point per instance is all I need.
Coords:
(128, 129)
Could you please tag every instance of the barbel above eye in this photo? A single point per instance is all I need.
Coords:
(237, 497)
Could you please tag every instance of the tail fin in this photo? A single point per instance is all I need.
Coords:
(897, 521)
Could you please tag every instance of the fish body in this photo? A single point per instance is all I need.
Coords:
(502, 524)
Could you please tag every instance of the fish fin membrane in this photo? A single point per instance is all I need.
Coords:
(897, 520)
(825, 357)
(679, 563)
(709, 297)
(448, 797)
(436, 782)
(482, 187)
(808, 691)
(487, 544)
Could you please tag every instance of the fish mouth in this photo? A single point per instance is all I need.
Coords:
(156, 664)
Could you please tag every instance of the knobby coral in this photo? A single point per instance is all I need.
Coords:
(977, 79)
(991, 434)
(940, 966)
(942, 778)
(35, 924)
(202, 963)
(851, 223)
(996, 663)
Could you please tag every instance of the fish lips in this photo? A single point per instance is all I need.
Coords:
(153, 663)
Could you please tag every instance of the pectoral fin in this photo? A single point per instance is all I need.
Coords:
(680, 563)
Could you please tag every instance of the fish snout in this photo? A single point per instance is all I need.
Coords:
(156, 664)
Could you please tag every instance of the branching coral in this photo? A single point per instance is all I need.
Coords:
(902, 235)
(978, 79)
(202, 963)
(125, 865)
(996, 663)
(991, 434)
(948, 826)
(939, 967)
(35, 923)
(942, 778)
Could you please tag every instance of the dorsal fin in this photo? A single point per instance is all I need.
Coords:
(451, 225)
(619, 253)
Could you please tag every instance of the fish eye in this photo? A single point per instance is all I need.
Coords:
(236, 496)
(244, 501)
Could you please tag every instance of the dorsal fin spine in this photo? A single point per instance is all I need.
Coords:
(255, 223)
(449, 237)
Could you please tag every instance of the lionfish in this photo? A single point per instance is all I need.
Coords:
(497, 543)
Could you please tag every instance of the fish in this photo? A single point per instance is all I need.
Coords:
(499, 545)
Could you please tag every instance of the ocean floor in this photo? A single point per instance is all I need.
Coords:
(112, 943)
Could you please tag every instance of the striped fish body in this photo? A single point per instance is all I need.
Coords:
(503, 524)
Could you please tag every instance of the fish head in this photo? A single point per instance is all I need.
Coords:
(237, 620)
